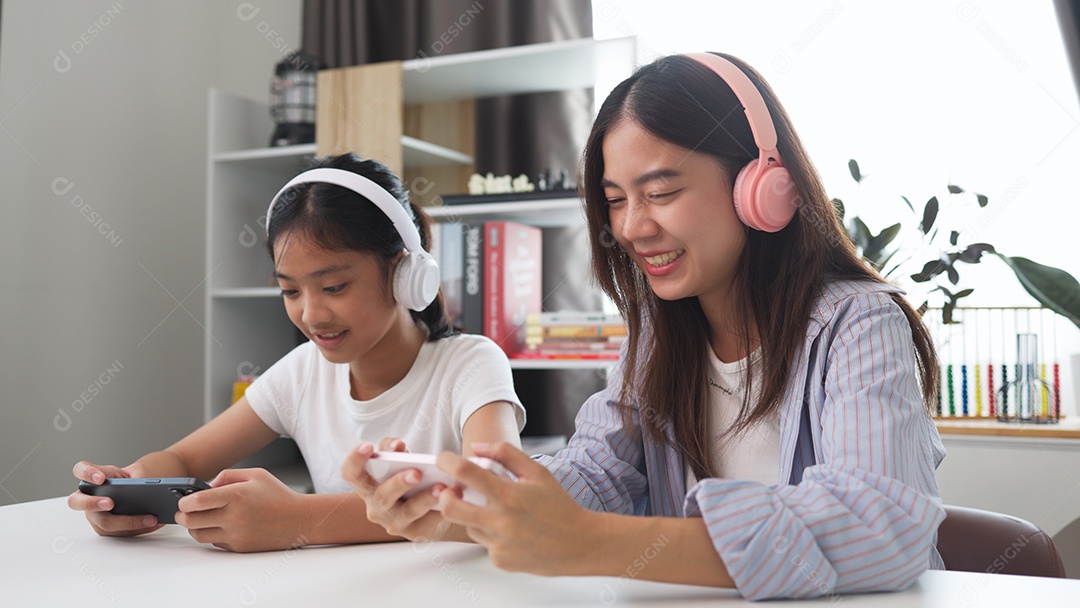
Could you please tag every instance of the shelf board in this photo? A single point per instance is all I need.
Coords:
(246, 292)
(561, 363)
(545, 212)
(534, 68)
(419, 153)
(284, 160)
(298, 151)
(1067, 428)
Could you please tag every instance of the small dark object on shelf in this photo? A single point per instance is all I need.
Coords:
(292, 99)
(469, 199)
(498, 189)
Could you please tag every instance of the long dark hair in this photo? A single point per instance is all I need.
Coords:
(338, 219)
(779, 275)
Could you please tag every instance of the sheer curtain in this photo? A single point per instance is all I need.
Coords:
(519, 134)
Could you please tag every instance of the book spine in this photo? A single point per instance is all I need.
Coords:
(576, 318)
(575, 348)
(575, 342)
(451, 269)
(599, 356)
(512, 282)
(472, 304)
(576, 331)
(493, 264)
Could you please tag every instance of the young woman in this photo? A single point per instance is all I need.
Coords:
(349, 252)
(767, 427)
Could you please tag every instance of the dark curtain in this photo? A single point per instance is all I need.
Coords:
(1068, 14)
(519, 134)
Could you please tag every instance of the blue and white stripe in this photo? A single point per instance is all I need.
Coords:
(861, 509)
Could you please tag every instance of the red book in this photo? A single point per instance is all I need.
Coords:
(512, 273)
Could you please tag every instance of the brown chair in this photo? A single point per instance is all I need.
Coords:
(973, 540)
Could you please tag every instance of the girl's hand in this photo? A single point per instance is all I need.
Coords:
(410, 518)
(246, 510)
(97, 507)
(530, 525)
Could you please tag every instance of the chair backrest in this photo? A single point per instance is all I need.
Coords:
(973, 540)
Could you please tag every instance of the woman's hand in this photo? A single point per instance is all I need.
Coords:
(246, 510)
(97, 507)
(531, 525)
(410, 518)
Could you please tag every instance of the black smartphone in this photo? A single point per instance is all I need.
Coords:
(157, 496)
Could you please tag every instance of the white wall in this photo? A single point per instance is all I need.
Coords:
(1035, 479)
(102, 173)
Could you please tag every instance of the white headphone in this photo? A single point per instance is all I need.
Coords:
(416, 278)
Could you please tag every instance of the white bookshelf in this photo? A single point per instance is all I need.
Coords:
(561, 364)
(544, 213)
(534, 68)
(248, 329)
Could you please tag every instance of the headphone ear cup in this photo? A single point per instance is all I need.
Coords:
(742, 197)
(766, 203)
(416, 280)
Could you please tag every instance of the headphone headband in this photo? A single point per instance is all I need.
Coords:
(366, 188)
(757, 113)
(764, 194)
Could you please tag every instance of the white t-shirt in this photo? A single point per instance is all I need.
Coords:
(753, 454)
(308, 398)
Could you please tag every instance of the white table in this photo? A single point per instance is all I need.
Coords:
(51, 557)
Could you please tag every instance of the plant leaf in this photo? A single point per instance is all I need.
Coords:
(982, 198)
(876, 245)
(862, 232)
(954, 277)
(964, 293)
(1052, 287)
(887, 235)
(953, 237)
(955, 189)
(973, 253)
(909, 205)
(946, 312)
(929, 270)
(854, 168)
(885, 261)
(929, 215)
(838, 205)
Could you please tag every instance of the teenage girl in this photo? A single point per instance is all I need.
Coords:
(767, 427)
(382, 366)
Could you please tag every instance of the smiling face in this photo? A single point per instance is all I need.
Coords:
(339, 299)
(671, 210)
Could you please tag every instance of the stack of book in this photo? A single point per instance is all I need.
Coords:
(573, 335)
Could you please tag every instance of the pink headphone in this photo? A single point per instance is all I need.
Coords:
(764, 195)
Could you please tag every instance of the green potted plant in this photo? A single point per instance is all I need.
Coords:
(1051, 287)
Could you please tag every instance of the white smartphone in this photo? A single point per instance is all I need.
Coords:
(384, 465)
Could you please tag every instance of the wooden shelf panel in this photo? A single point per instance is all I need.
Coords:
(1067, 428)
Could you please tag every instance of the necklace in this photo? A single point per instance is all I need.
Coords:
(725, 389)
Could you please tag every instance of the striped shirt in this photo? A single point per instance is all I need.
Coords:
(861, 507)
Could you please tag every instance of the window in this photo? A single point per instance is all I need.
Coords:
(923, 94)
